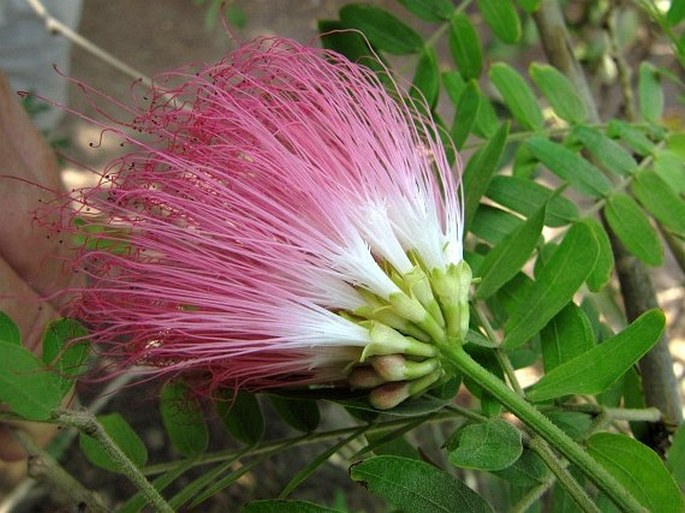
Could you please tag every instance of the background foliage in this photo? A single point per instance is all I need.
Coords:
(574, 188)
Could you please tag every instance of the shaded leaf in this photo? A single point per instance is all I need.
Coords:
(465, 46)
(526, 197)
(183, 419)
(597, 369)
(416, 487)
(385, 31)
(530, 6)
(505, 260)
(491, 445)
(284, 506)
(301, 414)
(571, 167)
(65, 357)
(660, 200)
(466, 114)
(633, 228)
(123, 436)
(528, 470)
(568, 335)
(427, 77)
(430, 10)
(559, 91)
(492, 224)
(517, 95)
(556, 284)
(501, 17)
(29, 389)
(240, 413)
(610, 154)
(639, 470)
(479, 170)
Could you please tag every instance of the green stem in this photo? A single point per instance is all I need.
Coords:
(88, 424)
(540, 447)
(541, 425)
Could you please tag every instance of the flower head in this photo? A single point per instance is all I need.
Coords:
(290, 222)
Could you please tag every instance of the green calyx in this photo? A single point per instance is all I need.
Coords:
(409, 332)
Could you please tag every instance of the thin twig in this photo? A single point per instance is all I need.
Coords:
(53, 25)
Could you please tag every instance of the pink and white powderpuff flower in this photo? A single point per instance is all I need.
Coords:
(290, 222)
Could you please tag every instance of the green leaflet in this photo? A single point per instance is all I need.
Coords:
(517, 95)
(501, 17)
(559, 91)
(416, 487)
(426, 82)
(568, 335)
(491, 445)
(571, 167)
(29, 389)
(241, 415)
(503, 262)
(660, 200)
(9, 332)
(596, 370)
(556, 284)
(639, 469)
(430, 10)
(123, 435)
(633, 228)
(480, 169)
(183, 419)
(465, 46)
(385, 31)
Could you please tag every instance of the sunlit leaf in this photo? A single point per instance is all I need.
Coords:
(517, 95)
(571, 167)
(465, 46)
(556, 284)
(597, 369)
(527, 196)
(559, 91)
(26, 385)
(610, 154)
(9, 332)
(633, 228)
(639, 470)
(660, 200)
(501, 17)
(632, 136)
(675, 456)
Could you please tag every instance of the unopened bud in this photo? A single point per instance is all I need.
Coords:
(452, 288)
(397, 368)
(410, 308)
(364, 377)
(389, 395)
